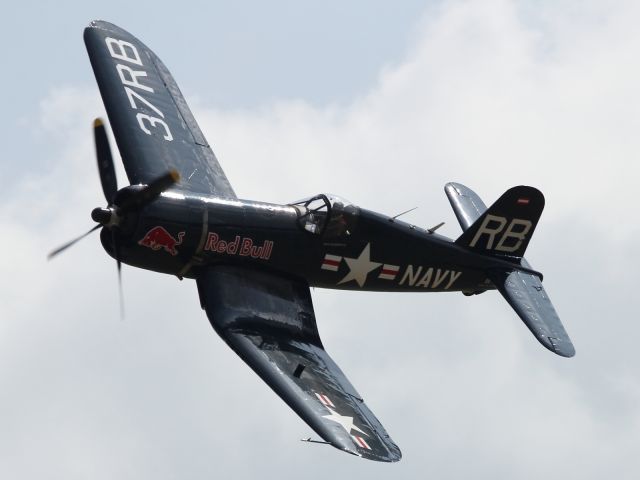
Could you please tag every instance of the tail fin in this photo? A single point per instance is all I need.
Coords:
(505, 228)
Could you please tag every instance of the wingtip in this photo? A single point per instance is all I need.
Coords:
(559, 347)
(352, 452)
(455, 187)
(567, 351)
(97, 22)
(93, 24)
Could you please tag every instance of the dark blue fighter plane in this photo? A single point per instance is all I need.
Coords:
(253, 262)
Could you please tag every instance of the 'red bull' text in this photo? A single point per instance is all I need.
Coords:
(241, 246)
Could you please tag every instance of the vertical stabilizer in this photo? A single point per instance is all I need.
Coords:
(505, 228)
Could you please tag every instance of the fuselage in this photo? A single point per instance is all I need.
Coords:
(342, 248)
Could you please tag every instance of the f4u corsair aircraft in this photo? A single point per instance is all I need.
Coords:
(180, 216)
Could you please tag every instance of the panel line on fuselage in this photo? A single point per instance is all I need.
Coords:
(196, 258)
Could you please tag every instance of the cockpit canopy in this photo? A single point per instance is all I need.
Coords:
(327, 215)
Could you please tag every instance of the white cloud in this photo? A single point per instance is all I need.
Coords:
(491, 94)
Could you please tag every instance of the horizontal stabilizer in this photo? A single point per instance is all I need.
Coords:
(527, 296)
(466, 203)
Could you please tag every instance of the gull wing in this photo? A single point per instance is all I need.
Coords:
(152, 124)
(269, 322)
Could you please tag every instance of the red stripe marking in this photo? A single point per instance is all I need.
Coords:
(334, 263)
(386, 271)
(328, 401)
(523, 201)
(360, 441)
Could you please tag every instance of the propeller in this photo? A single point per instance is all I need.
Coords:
(111, 216)
(107, 172)
(105, 161)
(62, 248)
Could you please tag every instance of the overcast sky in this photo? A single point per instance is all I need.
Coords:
(382, 104)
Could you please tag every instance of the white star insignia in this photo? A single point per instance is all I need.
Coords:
(346, 422)
(360, 267)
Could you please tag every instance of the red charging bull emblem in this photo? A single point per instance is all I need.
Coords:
(158, 238)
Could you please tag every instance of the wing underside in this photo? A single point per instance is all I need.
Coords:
(269, 322)
(151, 121)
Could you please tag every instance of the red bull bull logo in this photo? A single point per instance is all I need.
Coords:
(158, 238)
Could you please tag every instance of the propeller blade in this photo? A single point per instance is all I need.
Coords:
(105, 161)
(68, 244)
(150, 192)
(120, 294)
(116, 252)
